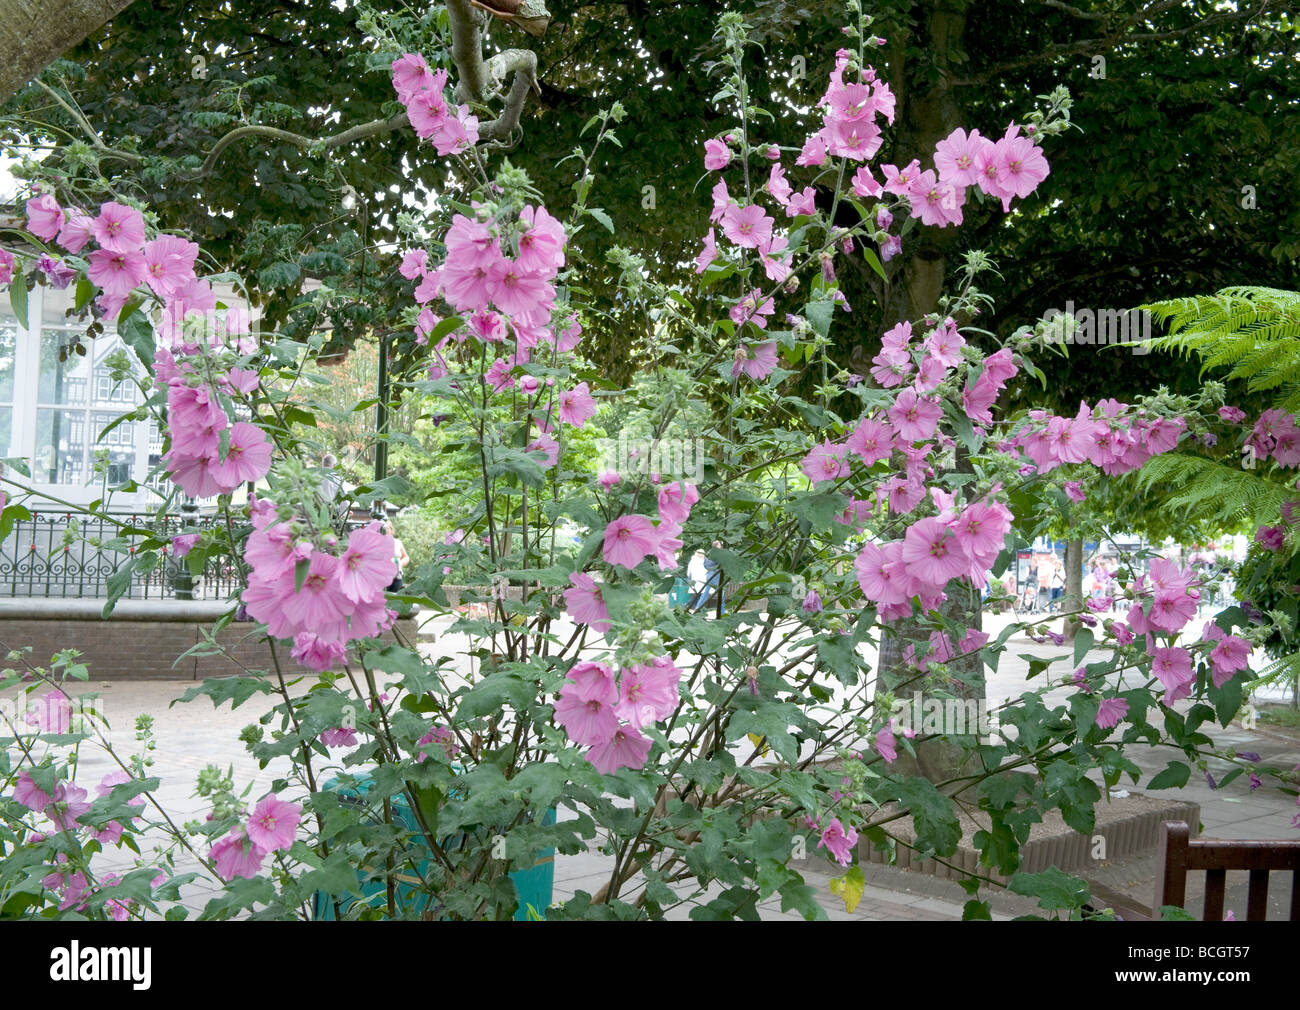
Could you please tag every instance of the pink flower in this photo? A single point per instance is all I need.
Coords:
(247, 460)
(708, 254)
(8, 266)
(886, 744)
(1022, 167)
(931, 552)
(825, 462)
(752, 308)
(717, 155)
(76, 232)
(1271, 538)
(118, 273)
(1173, 668)
(585, 706)
(839, 841)
(1233, 415)
(411, 75)
(649, 692)
(1110, 711)
(675, 501)
(236, 856)
(44, 217)
(583, 602)
(28, 793)
(169, 264)
(1229, 654)
(871, 441)
(608, 478)
(339, 737)
(915, 417)
(813, 153)
(628, 539)
(1122, 632)
(866, 186)
(626, 748)
(51, 713)
(778, 186)
(956, 157)
(444, 738)
(577, 405)
(413, 264)
(119, 228)
(183, 544)
(973, 640)
(317, 653)
(367, 567)
(755, 360)
(1074, 490)
(748, 227)
(272, 824)
(545, 444)
(66, 805)
(804, 203)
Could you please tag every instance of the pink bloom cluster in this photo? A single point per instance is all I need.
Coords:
(198, 423)
(1275, 434)
(607, 715)
(68, 803)
(420, 90)
(341, 596)
(1104, 436)
(270, 828)
(630, 539)
(954, 544)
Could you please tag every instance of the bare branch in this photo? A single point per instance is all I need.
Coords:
(348, 136)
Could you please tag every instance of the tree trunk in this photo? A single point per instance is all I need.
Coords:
(1072, 598)
(35, 33)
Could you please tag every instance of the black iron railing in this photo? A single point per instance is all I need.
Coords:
(67, 555)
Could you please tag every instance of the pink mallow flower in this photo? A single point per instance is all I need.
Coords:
(626, 748)
(1110, 711)
(583, 602)
(839, 841)
(236, 856)
(272, 823)
(577, 405)
(628, 539)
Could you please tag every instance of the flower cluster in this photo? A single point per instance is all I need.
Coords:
(1105, 436)
(208, 454)
(1275, 435)
(452, 129)
(320, 595)
(607, 715)
(956, 543)
(270, 828)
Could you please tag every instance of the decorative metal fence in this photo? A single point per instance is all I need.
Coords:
(64, 555)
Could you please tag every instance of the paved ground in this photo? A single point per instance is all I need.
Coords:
(191, 736)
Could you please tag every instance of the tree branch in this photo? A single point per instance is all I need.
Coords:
(375, 126)
(478, 80)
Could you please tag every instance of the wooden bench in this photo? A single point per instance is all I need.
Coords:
(1216, 857)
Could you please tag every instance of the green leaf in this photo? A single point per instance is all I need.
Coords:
(18, 299)
(278, 275)
(1054, 889)
(1174, 776)
(937, 829)
(1083, 641)
(603, 218)
(137, 333)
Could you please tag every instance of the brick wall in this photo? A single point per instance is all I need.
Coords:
(144, 649)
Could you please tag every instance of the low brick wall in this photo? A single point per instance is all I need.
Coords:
(142, 640)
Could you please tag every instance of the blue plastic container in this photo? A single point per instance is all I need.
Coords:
(534, 885)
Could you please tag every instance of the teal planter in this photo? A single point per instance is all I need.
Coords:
(534, 885)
